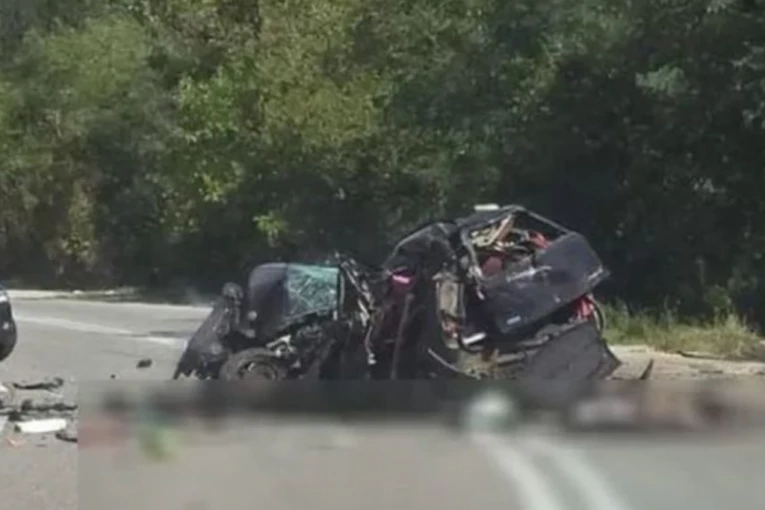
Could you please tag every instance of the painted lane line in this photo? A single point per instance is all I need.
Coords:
(534, 487)
(599, 494)
(86, 327)
(58, 322)
(200, 306)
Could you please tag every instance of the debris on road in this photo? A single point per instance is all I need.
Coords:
(41, 426)
(144, 363)
(69, 434)
(44, 409)
(37, 415)
(52, 384)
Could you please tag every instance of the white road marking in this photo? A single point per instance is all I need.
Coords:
(533, 486)
(202, 307)
(599, 495)
(514, 458)
(87, 327)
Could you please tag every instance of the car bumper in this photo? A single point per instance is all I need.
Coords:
(7, 323)
(7, 328)
(8, 337)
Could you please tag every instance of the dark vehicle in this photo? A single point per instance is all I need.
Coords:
(8, 330)
(504, 293)
(500, 294)
(290, 321)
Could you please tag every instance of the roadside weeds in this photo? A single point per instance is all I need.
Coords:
(727, 337)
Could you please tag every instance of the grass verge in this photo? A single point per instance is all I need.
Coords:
(727, 336)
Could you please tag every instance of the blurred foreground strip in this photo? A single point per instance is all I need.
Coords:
(117, 411)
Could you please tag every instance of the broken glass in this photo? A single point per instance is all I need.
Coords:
(311, 289)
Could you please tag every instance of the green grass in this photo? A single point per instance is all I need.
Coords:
(726, 336)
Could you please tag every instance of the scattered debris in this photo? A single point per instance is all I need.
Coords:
(66, 436)
(41, 426)
(144, 363)
(69, 434)
(6, 398)
(29, 407)
(55, 383)
(113, 376)
(32, 416)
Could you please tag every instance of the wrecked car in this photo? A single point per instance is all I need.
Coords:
(289, 321)
(8, 330)
(503, 293)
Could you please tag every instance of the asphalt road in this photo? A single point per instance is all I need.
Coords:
(288, 465)
(327, 466)
(83, 343)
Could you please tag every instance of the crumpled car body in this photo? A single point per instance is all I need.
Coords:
(8, 328)
(286, 322)
(499, 294)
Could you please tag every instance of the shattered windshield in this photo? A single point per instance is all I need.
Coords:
(311, 289)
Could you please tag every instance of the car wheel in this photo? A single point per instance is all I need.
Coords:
(255, 363)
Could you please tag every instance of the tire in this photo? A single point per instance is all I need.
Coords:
(253, 364)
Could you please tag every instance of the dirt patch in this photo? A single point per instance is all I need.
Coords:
(677, 366)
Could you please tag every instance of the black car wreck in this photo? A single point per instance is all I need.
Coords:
(503, 293)
(497, 286)
(8, 330)
(289, 320)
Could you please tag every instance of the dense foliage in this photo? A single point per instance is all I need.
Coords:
(149, 140)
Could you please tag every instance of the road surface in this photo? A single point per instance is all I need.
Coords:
(292, 466)
(82, 342)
